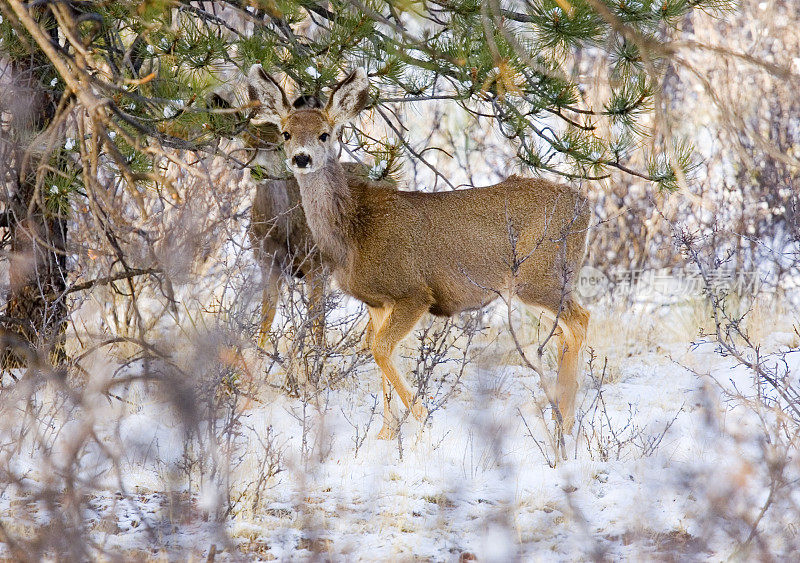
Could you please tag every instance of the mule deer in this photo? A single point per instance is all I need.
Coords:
(407, 253)
(278, 230)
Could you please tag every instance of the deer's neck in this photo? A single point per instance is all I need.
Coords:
(329, 208)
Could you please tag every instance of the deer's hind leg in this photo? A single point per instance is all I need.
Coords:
(570, 336)
(390, 325)
(573, 326)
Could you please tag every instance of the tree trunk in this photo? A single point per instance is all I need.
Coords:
(34, 319)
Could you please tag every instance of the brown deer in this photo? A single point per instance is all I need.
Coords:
(278, 230)
(407, 253)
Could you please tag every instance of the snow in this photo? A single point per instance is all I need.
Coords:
(470, 482)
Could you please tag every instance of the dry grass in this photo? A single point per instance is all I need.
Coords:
(771, 314)
(619, 332)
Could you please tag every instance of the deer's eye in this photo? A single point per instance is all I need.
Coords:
(286, 136)
(324, 137)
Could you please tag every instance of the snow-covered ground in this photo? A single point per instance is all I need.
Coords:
(665, 464)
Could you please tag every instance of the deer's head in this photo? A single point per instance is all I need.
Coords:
(309, 134)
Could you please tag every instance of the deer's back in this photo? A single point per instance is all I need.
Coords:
(458, 248)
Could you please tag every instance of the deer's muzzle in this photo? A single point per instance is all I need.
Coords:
(301, 160)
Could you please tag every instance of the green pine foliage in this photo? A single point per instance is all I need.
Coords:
(158, 61)
(60, 183)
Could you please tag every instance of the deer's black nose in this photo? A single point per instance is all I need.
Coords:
(301, 160)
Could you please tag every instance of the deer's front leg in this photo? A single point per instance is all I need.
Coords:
(269, 301)
(316, 308)
(390, 420)
(396, 322)
(369, 336)
(389, 429)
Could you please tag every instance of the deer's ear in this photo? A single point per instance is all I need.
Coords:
(273, 105)
(349, 97)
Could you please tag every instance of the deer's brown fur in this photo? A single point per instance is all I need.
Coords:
(408, 253)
